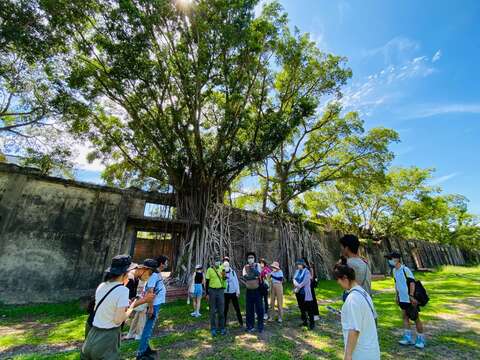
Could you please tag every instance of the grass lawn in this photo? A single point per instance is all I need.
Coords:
(55, 331)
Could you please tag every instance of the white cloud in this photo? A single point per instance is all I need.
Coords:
(384, 86)
(394, 50)
(437, 56)
(429, 110)
(442, 179)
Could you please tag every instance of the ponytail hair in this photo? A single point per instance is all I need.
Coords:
(342, 270)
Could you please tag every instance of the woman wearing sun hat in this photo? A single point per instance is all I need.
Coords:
(112, 308)
(276, 277)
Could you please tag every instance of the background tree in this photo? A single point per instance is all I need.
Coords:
(401, 204)
(29, 125)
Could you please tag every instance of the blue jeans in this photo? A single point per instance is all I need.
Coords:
(148, 330)
(254, 305)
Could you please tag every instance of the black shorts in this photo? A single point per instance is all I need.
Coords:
(411, 310)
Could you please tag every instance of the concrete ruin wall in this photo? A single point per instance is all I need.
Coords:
(57, 237)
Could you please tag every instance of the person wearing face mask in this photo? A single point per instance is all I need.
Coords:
(405, 289)
(232, 292)
(358, 317)
(215, 288)
(303, 293)
(251, 275)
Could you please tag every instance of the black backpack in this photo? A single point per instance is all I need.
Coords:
(420, 292)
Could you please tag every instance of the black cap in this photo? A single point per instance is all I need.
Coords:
(120, 265)
(150, 264)
(393, 255)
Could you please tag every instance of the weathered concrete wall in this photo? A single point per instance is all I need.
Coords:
(58, 236)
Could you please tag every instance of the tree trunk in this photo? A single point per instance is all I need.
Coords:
(195, 204)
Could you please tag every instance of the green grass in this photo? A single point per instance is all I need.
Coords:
(449, 315)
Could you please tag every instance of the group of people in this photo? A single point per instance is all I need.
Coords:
(264, 292)
(116, 299)
(358, 315)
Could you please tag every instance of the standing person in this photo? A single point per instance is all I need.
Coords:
(313, 286)
(232, 292)
(112, 308)
(155, 286)
(358, 317)
(215, 292)
(251, 275)
(276, 292)
(405, 289)
(303, 293)
(350, 245)
(196, 293)
(264, 286)
(142, 274)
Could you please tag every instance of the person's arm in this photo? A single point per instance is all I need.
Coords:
(207, 282)
(122, 314)
(306, 279)
(148, 298)
(352, 339)
(412, 293)
(236, 283)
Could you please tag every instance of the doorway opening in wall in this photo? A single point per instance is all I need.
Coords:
(149, 245)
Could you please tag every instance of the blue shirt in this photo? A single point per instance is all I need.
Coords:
(401, 284)
(155, 281)
(277, 277)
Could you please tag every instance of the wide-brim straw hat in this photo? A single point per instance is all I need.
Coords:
(275, 265)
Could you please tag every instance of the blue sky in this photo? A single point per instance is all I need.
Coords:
(415, 69)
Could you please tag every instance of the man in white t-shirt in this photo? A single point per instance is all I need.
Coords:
(358, 314)
(405, 288)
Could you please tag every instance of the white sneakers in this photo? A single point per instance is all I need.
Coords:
(196, 314)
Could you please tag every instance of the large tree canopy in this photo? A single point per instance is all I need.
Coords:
(185, 92)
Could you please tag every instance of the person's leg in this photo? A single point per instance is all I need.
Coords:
(273, 294)
(419, 326)
(147, 331)
(259, 310)
(407, 338)
(199, 304)
(227, 305)
(303, 310)
(311, 313)
(280, 301)
(236, 306)
(250, 309)
(420, 341)
(265, 302)
(315, 309)
(221, 310)
(212, 305)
